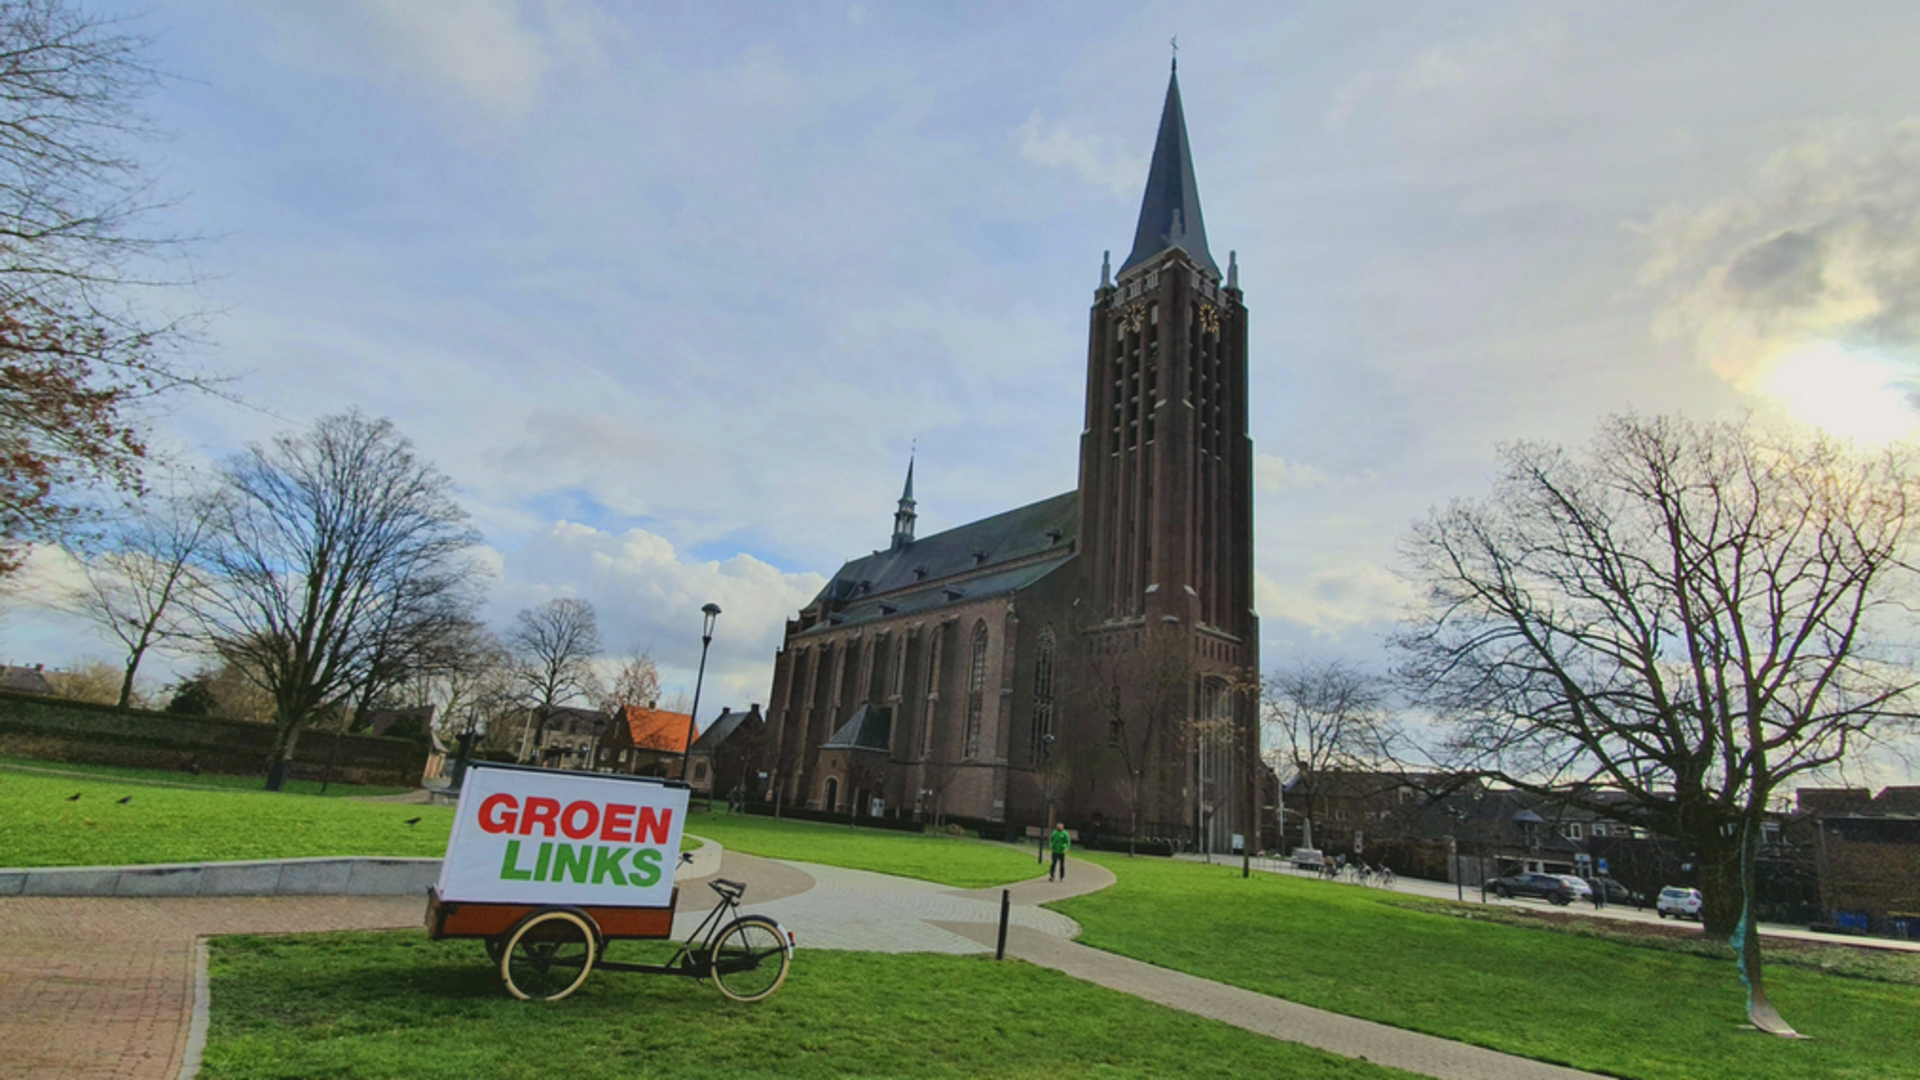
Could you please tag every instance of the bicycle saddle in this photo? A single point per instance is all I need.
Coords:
(732, 890)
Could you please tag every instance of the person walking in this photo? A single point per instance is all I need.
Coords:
(1058, 843)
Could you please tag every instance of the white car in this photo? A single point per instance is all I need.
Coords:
(1678, 903)
(1582, 890)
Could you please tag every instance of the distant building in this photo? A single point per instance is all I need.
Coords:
(731, 753)
(561, 737)
(645, 742)
(1868, 852)
(25, 680)
(938, 676)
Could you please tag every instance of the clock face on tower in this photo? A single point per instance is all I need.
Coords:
(1136, 315)
(1209, 319)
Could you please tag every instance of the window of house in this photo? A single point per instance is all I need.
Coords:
(976, 688)
(1574, 831)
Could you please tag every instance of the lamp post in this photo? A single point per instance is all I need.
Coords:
(710, 613)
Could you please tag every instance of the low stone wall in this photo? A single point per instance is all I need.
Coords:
(54, 729)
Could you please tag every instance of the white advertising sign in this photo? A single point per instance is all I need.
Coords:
(526, 836)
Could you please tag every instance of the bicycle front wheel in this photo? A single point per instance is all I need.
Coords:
(750, 958)
(548, 955)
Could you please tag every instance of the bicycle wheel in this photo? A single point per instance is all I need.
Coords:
(548, 955)
(750, 958)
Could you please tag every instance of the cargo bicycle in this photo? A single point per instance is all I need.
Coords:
(546, 923)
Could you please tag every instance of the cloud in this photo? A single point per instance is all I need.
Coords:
(1273, 474)
(1481, 64)
(1338, 595)
(1816, 256)
(485, 56)
(1095, 159)
(649, 595)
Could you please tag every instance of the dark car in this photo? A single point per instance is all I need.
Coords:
(1544, 886)
(1620, 894)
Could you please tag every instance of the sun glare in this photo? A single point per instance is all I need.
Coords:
(1848, 393)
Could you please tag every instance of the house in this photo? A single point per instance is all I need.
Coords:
(1868, 853)
(25, 680)
(561, 737)
(645, 741)
(731, 754)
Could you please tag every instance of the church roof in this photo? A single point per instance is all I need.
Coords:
(994, 555)
(1170, 211)
(723, 728)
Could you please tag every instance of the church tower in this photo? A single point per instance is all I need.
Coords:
(1166, 466)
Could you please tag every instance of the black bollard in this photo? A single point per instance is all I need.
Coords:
(1006, 903)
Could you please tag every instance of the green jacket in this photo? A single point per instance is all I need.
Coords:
(1059, 842)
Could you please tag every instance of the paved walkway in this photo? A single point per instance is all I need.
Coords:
(105, 987)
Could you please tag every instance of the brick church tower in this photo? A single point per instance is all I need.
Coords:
(1166, 472)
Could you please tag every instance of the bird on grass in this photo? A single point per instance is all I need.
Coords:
(413, 821)
(73, 796)
(124, 801)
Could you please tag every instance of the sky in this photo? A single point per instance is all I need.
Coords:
(672, 291)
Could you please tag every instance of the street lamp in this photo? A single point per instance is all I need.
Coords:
(710, 613)
(1046, 781)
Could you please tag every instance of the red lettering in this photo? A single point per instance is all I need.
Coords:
(570, 816)
(656, 828)
(497, 813)
(540, 811)
(616, 825)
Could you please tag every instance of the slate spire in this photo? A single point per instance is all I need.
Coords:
(1170, 212)
(903, 517)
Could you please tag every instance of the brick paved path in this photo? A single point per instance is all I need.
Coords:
(103, 987)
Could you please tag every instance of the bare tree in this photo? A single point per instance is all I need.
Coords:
(77, 358)
(1694, 615)
(1139, 681)
(469, 681)
(554, 647)
(637, 683)
(329, 540)
(1324, 719)
(139, 590)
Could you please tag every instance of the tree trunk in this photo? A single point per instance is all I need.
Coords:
(285, 739)
(1722, 886)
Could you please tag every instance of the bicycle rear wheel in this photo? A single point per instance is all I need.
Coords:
(750, 958)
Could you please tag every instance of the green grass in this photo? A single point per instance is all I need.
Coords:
(956, 861)
(167, 825)
(206, 781)
(1650, 1011)
(394, 1005)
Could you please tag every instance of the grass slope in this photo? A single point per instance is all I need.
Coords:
(178, 778)
(167, 825)
(1607, 1006)
(394, 1005)
(959, 862)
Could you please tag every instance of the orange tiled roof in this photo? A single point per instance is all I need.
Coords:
(658, 729)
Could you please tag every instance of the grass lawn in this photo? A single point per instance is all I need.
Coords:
(177, 778)
(374, 1005)
(949, 860)
(1642, 1011)
(167, 824)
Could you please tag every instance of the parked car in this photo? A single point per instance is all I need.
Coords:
(1581, 889)
(1678, 903)
(1620, 894)
(1547, 887)
(1306, 858)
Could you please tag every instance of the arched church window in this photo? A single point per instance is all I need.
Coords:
(1043, 689)
(976, 688)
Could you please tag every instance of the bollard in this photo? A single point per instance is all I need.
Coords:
(1006, 902)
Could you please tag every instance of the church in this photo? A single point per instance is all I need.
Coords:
(1088, 657)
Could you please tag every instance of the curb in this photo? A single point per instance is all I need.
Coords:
(320, 876)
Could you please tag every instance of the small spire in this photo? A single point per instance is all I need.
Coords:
(1170, 209)
(1233, 269)
(1106, 269)
(903, 517)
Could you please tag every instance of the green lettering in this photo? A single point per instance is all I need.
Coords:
(540, 864)
(606, 863)
(646, 867)
(510, 866)
(572, 862)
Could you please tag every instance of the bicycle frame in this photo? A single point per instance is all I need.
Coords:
(694, 956)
